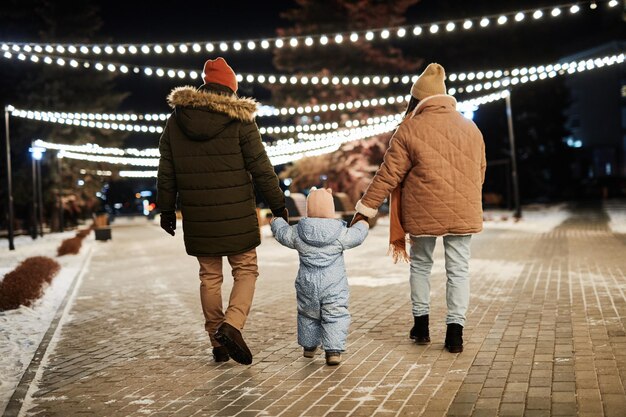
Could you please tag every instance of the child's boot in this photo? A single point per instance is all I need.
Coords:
(309, 352)
(333, 357)
(420, 332)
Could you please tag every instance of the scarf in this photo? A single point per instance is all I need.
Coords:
(397, 235)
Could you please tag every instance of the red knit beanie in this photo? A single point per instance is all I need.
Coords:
(219, 72)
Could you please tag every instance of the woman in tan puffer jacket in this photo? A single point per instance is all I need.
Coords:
(435, 168)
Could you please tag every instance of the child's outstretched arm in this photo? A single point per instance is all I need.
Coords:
(354, 235)
(283, 233)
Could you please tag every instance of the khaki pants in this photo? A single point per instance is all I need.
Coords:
(245, 273)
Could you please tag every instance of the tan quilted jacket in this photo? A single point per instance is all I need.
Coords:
(438, 156)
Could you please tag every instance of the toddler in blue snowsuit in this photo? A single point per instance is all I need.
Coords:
(321, 285)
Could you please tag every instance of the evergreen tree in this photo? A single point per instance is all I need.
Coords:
(36, 86)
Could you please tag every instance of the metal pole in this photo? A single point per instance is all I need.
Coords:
(39, 181)
(7, 139)
(35, 197)
(60, 166)
(516, 196)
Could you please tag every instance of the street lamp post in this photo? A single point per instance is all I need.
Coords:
(33, 166)
(60, 166)
(39, 181)
(7, 139)
(516, 197)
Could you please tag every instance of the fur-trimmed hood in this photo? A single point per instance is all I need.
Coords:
(202, 114)
(240, 108)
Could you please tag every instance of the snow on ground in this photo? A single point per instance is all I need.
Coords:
(535, 218)
(616, 210)
(22, 330)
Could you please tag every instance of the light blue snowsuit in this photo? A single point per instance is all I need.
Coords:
(321, 285)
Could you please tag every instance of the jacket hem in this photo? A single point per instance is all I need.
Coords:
(230, 253)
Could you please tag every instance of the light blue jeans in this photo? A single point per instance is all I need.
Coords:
(457, 253)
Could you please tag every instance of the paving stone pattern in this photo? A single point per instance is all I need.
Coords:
(545, 334)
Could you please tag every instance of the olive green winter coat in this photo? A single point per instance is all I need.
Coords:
(211, 154)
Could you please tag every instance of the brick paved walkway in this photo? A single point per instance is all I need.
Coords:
(545, 335)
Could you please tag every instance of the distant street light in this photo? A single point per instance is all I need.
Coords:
(37, 153)
(7, 139)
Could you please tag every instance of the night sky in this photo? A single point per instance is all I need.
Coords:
(529, 43)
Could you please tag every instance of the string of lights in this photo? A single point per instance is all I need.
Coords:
(319, 40)
(518, 76)
(280, 152)
(271, 79)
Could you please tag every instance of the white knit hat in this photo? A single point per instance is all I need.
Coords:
(430, 83)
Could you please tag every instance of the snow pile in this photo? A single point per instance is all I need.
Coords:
(22, 330)
(535, 219)
(616, 210)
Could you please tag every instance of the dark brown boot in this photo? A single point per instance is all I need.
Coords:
(220, 354)
(231, 338)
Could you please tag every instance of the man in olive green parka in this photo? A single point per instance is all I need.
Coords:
(212, 159)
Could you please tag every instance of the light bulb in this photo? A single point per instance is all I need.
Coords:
(555, 12)
(384, 34)
(209, 47)
(354, 37)
(450, 26)
(369, 35)
(434, 28)
(417, 30)
(323, 40)
(467, 24)
(293, 42)
(538, 14)
(502, 20)
(237, 46)
(484, 22)
(338, 38)
(519, 17)
(251, 45)
(279, 43)
(223, 47)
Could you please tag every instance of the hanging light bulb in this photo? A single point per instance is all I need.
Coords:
(467, 24)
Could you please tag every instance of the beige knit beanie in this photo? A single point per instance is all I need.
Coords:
(430, 83)
(320, 204)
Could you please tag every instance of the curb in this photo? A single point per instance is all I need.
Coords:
(14, 406)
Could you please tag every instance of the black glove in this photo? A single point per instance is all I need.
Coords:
(168, 221)
(357, 218)
(283, 212)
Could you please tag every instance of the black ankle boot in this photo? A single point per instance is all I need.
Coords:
(454, 338)
(420, 332)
